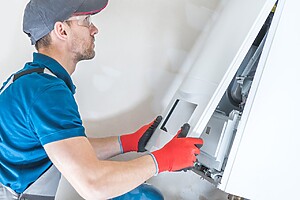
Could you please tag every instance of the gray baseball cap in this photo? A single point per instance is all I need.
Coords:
(40, 15)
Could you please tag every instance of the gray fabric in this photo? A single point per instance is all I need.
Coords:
(40, 15)
(46, 185)
(44, 188)
(7, 193)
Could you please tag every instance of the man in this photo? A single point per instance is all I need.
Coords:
(42, 135)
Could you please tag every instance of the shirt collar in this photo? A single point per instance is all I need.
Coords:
(55, 68)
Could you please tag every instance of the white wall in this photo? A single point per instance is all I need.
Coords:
(15, 47)
(140, 48)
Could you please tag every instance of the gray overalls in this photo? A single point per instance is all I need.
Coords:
(45, 187)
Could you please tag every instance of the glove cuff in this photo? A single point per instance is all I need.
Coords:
(120, 143)
(127, 143)
(156, 164)
(161, 160)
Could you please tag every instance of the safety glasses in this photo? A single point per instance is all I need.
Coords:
(82, 20)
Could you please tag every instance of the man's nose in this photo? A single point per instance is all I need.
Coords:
(94, 29)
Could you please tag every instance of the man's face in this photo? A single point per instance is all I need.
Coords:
(82, 37)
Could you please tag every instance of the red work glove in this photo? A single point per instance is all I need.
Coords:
(137, 141)
(180, 153)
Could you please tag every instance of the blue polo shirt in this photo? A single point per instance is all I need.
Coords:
(35, 110)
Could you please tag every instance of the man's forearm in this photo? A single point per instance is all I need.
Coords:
(105, 147)
(92, 177)
(120, 177)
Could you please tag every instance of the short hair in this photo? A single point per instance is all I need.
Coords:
(44, 42)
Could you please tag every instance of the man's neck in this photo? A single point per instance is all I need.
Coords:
(66, 61)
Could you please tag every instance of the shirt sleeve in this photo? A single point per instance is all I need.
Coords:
(54, 115)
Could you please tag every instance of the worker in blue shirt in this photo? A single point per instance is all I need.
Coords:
(41, 132)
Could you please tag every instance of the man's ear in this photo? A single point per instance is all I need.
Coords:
(60, 30)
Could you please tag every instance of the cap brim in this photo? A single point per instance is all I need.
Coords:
(91, 7)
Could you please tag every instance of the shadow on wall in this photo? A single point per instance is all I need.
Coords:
(125, 122)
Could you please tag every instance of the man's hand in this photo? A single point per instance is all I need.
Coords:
(137, 141)
(180, 153)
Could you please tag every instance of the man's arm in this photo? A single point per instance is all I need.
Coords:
(111, 146)
(92, 178)
(105, 147)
